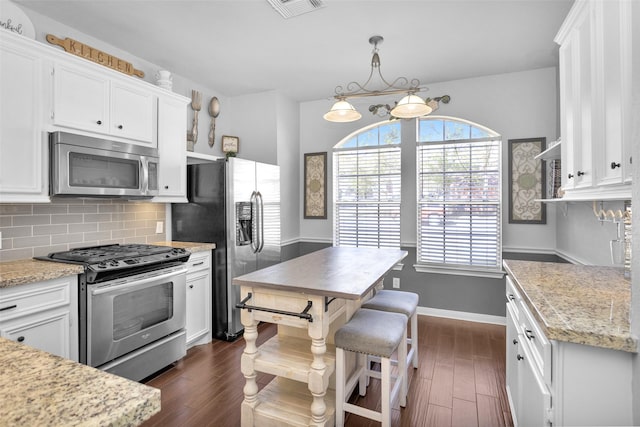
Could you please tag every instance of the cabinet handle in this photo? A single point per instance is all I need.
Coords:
(197, 263)
(99, 122)
(8, 307)
(529, 334)
(580, 173)
(515, 341)
(166, 187)
(570, 176)
(519, 357)
(20, 339)
(615, 165)
(511, 297)
(190, 286)
(119, 126)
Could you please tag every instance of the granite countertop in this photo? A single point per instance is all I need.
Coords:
(576, 303)
(23, 271)
(41, 389)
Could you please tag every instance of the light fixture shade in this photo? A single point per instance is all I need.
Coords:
(342, 112)
(411, 106)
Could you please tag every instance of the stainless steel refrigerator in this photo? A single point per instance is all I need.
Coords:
(234, 203)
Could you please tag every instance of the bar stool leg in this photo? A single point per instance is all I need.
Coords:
(386, 391)
(363, 382)
(414, 338)
(402, 369)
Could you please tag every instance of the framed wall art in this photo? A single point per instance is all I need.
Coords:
(527, 181)
(315, 185)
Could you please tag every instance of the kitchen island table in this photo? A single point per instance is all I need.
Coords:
(308, 298)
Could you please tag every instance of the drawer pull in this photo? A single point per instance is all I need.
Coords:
(570, 176)
(529, 334)
(580, 173)
(120, 126)
(8, 307)
(197, 263)
(515, 341)
(20, 339)
(519, 357)
(615, 165)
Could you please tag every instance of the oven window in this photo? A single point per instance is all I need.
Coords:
(90, 170)
(141, 309)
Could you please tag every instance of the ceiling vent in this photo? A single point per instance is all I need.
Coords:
(291, 8)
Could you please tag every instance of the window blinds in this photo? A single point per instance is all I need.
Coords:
(367, 193)
(459, 204)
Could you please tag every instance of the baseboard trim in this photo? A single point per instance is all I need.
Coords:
(463, 315)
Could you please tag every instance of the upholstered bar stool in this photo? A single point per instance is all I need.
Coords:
(400, 302)
(377, 333)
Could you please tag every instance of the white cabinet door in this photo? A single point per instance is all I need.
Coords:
(22, 140)
(512, 362)
(172, 131)
(198, 298)
(80, 99)
(132, 113)
(535, 398)
(49, 332)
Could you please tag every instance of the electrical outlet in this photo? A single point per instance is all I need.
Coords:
(159, 227)
(396, 282)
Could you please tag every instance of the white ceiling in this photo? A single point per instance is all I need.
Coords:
(244, 46)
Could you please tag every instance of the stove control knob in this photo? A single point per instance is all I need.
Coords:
(102, 265)
(114, 263)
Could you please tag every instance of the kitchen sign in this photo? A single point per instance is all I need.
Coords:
(15, 20)
(92, 54)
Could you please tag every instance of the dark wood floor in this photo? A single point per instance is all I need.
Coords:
(460, 381)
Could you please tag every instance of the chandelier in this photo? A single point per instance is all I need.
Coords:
(409, 107)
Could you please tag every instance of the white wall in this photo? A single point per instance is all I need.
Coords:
(516, 105)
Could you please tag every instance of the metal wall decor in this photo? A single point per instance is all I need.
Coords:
(526, 181)
(214, 112)
(196, 105)
(315, 185)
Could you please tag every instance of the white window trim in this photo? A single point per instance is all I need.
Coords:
(461, 271)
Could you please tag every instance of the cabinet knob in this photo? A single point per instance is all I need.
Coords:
(519, 357)
(190, 286)
(615, 165)
(20, 339)
(166, 187)
(580, 173)
(570, 176)
(120, 126)
(515, 341)
(529, 334)
(511, 297)
(99, 122)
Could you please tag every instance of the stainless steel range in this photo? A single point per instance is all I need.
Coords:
(132, 306)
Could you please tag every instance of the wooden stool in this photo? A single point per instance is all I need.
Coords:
(400, 302)
(377, 333)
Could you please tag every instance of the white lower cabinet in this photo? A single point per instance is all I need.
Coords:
(43, 315)
(199, 298)
(558, 383)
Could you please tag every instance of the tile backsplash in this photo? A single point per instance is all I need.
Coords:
(36, 229)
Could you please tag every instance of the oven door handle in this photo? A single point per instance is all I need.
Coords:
(137, 283)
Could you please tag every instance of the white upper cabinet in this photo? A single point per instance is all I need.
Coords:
(23, 148)
(172, 143)
(98, 103)
(595, 99)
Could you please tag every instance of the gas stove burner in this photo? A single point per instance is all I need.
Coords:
(119, 259)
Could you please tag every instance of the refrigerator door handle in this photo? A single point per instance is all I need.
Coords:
(255, 226)
(261, 223)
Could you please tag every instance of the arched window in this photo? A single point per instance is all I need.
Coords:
(366, 192)
(459, 196)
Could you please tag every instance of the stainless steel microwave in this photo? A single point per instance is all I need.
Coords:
(85, 166)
